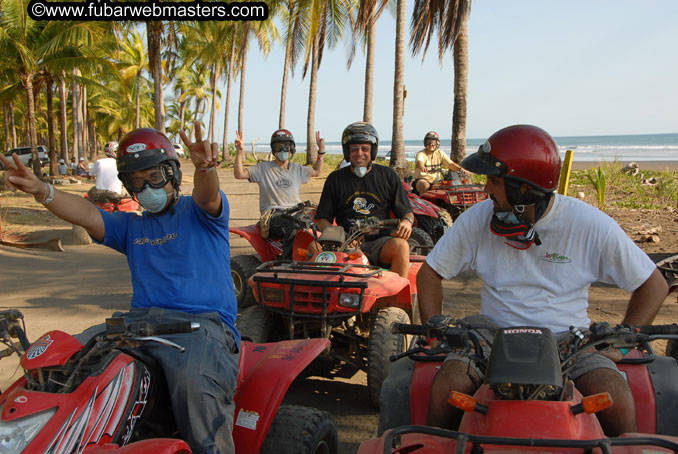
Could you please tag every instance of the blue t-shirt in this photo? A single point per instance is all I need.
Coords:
(179, 260)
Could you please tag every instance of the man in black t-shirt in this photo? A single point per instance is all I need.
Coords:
(363, 190)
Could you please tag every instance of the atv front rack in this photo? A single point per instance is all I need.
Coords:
(392, 441)
(279, 269)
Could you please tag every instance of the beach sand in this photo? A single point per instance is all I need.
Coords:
(643, 165)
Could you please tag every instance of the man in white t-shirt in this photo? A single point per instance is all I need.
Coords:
(279, 181)
(537, 253)
(107, 185)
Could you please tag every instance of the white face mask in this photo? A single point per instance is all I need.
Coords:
(360, 171)
(153, 199)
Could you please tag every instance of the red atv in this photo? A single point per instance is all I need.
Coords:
(430, 220)
(527, 402)
(335, 294)
(107, 398)
(111, 202)
(455, 194)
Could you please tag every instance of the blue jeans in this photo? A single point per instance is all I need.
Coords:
(201, 381)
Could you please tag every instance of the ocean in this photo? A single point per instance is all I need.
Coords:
(640, 147)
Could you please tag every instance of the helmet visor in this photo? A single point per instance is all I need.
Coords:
(155, 177)
(482, 162)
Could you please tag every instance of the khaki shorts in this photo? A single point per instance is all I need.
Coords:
(485, 329)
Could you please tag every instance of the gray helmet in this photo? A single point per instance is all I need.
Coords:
(359, 132)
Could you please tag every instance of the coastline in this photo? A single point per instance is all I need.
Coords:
(642, 165)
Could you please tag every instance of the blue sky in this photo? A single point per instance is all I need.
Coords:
(578, 67)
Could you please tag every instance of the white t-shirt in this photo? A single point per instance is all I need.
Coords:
(278, 187)
(545, 285)
(106, 173)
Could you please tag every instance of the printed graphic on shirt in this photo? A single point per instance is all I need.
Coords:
(360, 206)
(283, 183)
(156, 241)
(554, 257)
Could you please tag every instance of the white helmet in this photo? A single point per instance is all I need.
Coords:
(111, 149)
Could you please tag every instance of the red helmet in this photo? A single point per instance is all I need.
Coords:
(523, 153)
(431, 135)
(111, 149)
(145, 148)
(360, 132)
(283, 136)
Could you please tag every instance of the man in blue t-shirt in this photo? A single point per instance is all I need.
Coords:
(179, 257)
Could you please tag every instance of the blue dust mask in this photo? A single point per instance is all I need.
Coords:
(153, 199)
(283, 155)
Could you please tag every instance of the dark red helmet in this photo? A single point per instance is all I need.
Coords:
(283, 136)
(431, 135)
(360, 132)
(145, 148)
(523, 153)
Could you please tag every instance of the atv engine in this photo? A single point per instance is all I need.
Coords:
(525, 364)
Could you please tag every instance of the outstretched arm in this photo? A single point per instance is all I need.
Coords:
(318, 166)
(205, 158)
(646, 300)
(239, 171)
(430, 292)
(69, 207)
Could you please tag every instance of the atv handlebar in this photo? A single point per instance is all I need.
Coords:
(117, 326)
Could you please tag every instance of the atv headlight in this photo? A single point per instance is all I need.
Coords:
(273, 295)
(349, 300)
(16, 435)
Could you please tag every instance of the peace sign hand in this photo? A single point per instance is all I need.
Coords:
(18, 176)
(239, 142)
(320, 142)
(203, 154)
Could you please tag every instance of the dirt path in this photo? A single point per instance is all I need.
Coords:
(77, 288)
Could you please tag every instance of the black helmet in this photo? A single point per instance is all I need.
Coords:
(145, 148)
(360, 132)
(281, 136)
(431, 135)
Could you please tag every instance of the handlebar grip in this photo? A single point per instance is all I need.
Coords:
(171, 328)
(406, 328)
(389, 222)
(657, 329)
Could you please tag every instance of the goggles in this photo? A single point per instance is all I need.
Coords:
(431, 142)
(282, 146)
(158, 177)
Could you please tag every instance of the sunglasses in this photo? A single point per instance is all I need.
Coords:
(282, 146)
(431, 142)
(157, 178)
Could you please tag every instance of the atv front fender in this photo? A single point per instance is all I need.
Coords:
(266, 372)
(253, 235)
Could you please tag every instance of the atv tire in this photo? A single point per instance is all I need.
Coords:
(301, 430)
(672, 349)
(417, 238)
(242, 268)
(381, 344)
(435, 227)
(255, 324)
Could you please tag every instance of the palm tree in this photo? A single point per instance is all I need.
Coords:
(397, 142)
(450, 18)
(365, 25)
(133, 60)
(154, 31)
(289, 16)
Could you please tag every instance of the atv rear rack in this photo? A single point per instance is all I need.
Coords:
(280, 268)
(392, 441)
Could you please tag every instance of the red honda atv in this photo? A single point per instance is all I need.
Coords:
(335, 294)
(114, 203)
(527, 402)
(428, 218)
(107, 398)
(455, 194)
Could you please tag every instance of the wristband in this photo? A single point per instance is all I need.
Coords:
(50, 194)
(208, 169)
(408, 219)
(320, 154)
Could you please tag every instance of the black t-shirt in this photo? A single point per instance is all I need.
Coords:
(347, 198)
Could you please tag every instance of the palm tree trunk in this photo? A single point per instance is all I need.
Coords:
(241, 102)
(226, 154)
(50, 128)
(369, 70)
(154, 34)
(458, 152)
(137, 117)
(33, 137)
(213, 107)
(85, 138)
(397, 143)
(283, 89)
(311, 152)
(5, 115)
(62, 118)
(11, 119)
(182, 110)
(77, 118)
